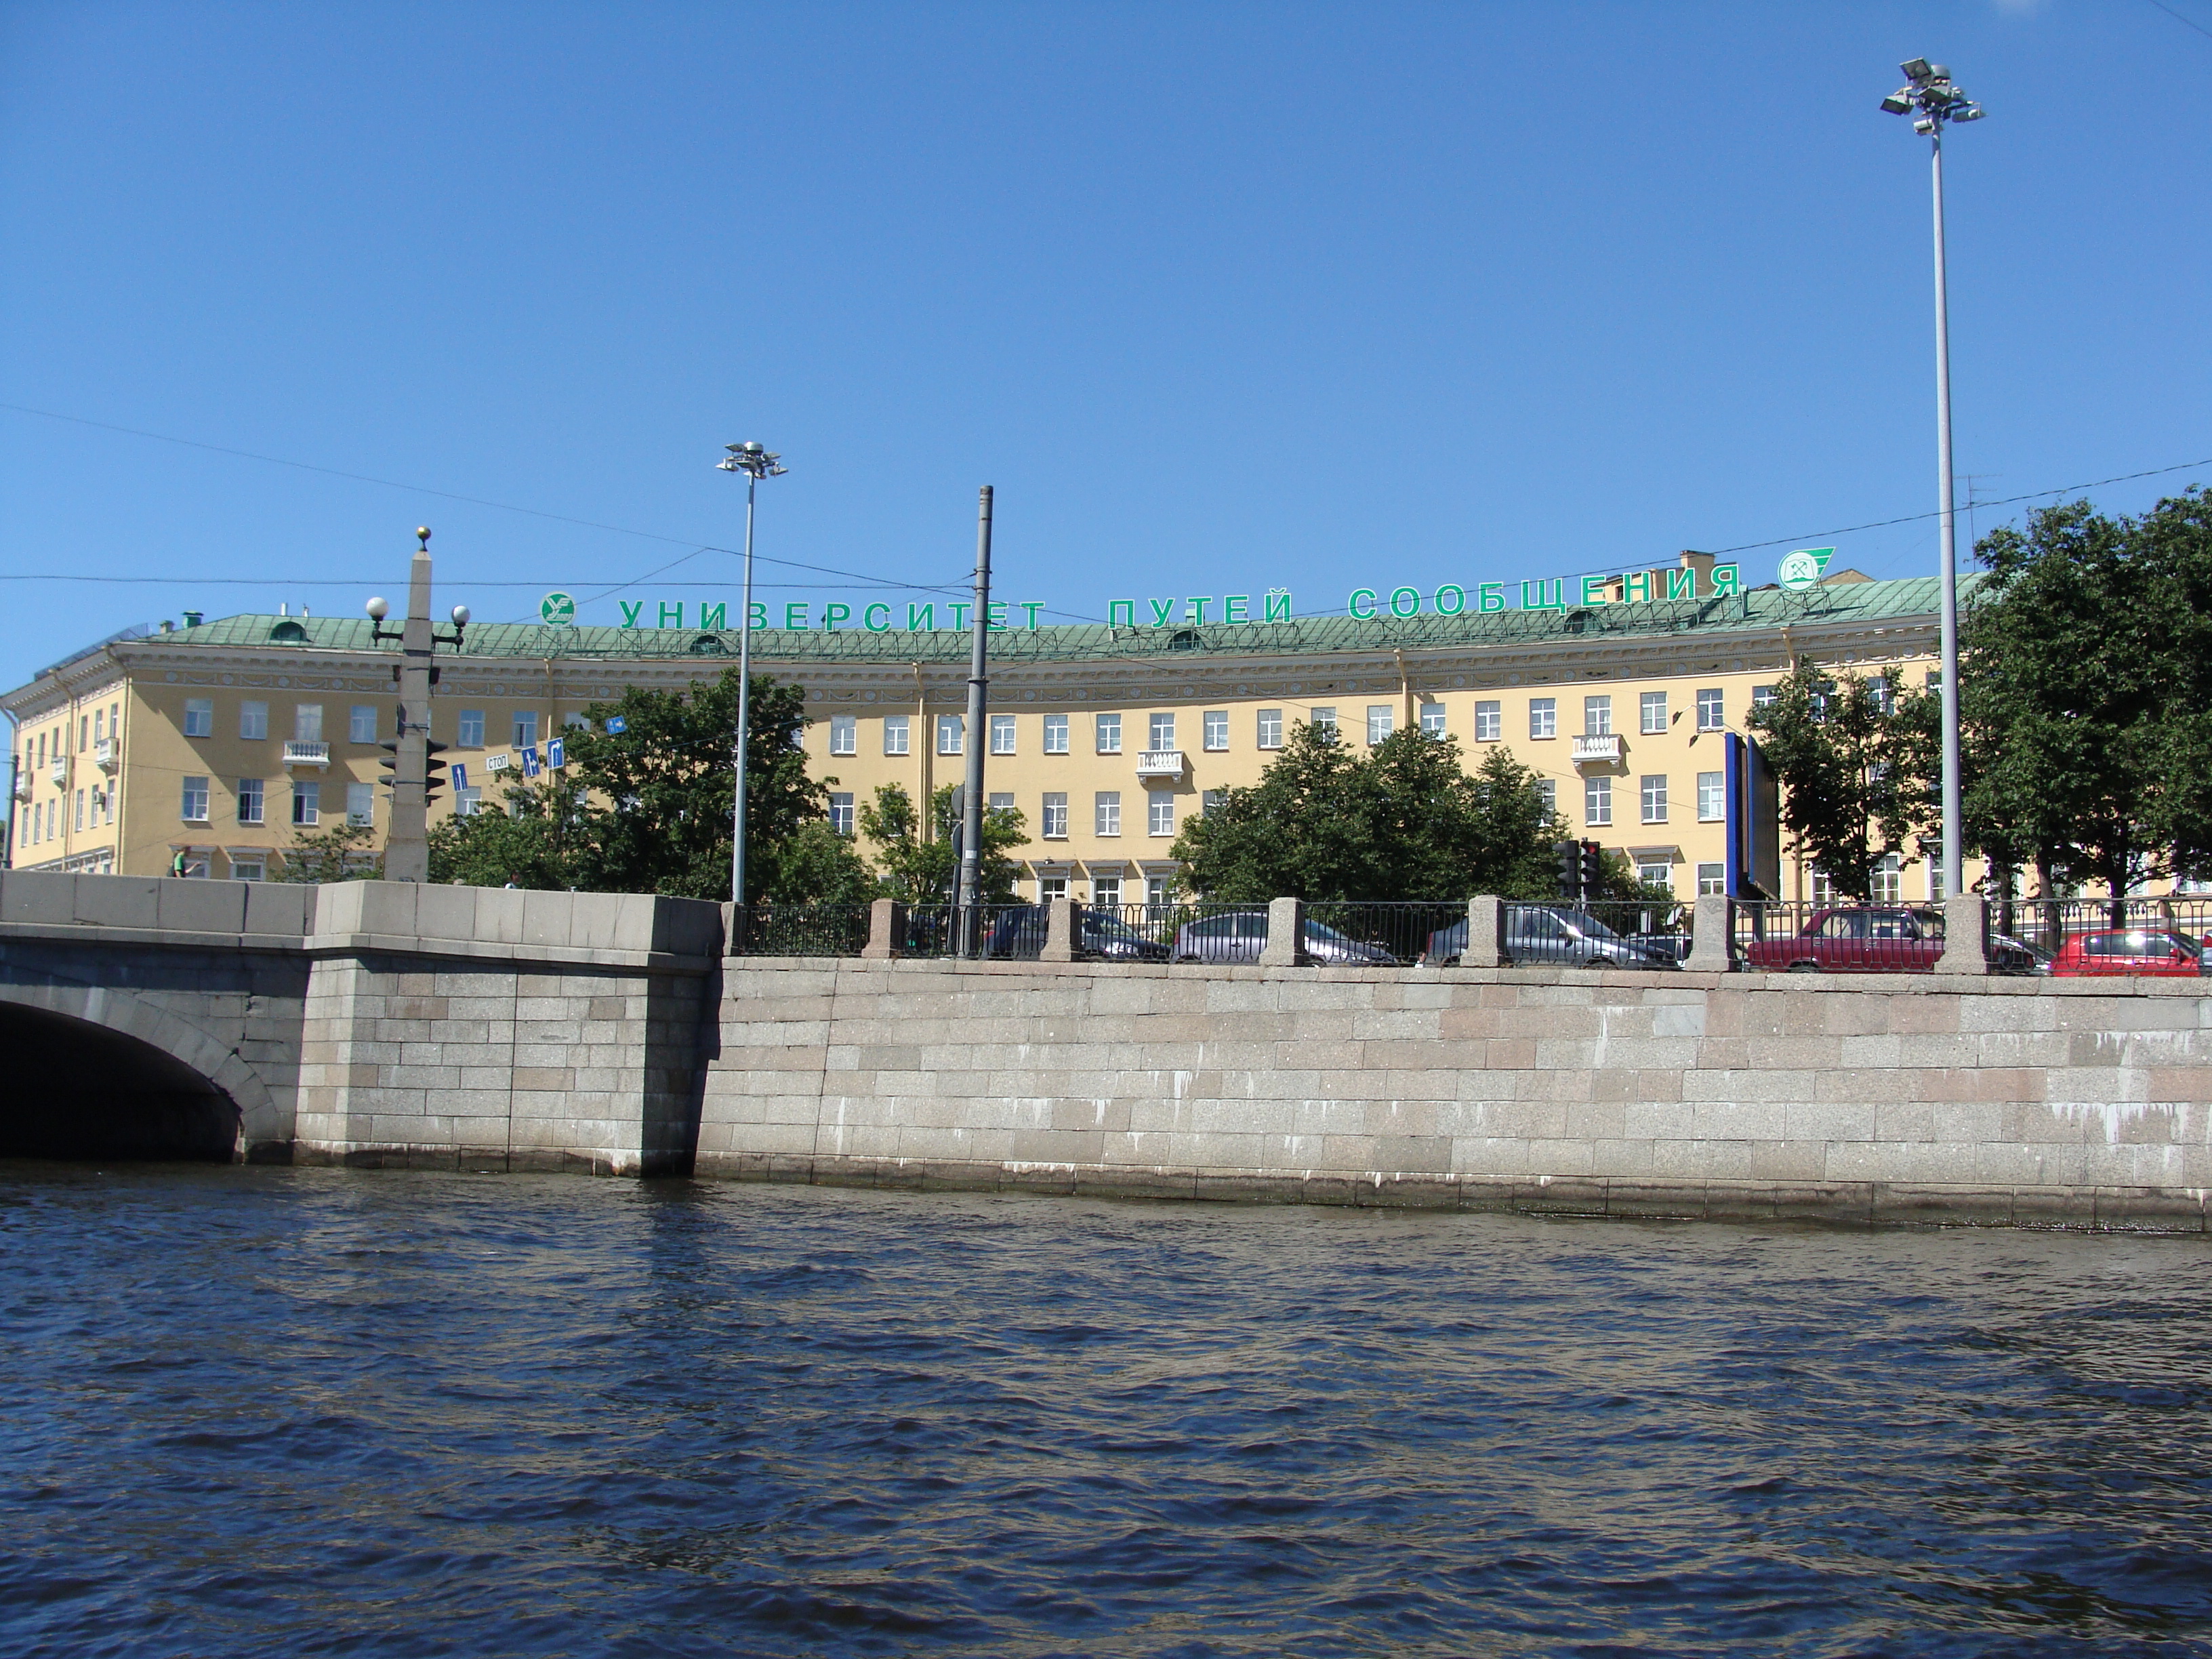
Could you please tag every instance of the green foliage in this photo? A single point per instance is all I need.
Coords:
(664, 785)
(815, 865)
(1403, 821)
(923, 871)
(1856, 758)
(2086, 694)
(340, 852)
(532, 838)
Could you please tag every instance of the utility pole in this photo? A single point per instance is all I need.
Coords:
(755, 463)
(407, 837)
(1931, 98)
(979, 683)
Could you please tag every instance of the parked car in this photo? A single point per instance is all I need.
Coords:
(2008, 955)
(1856, 939)
(1561, 933)
(2138, 950)
(1675, 946)
(1020, 933)
(1240, 935)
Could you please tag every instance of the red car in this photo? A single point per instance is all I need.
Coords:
(1862, 939)
(2130, 950)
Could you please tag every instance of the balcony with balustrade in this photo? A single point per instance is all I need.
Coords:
(297, 753)
(1160, 763)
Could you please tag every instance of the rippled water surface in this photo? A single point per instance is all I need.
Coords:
(264, 1411)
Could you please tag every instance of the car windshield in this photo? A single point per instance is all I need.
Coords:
(1590, 928)
(1110, 927)
(1321, 930)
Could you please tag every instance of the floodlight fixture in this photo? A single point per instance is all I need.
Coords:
(756, 463)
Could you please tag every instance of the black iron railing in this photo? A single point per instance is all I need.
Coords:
(798, 930)
(1596, 933)
(1794, 936)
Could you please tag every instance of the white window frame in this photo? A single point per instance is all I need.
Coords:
(1489, 721)
(469, 729)
(1161, 729)
(1268, 728)
(1055, 734)
(1543, 719)
(1381, 722)
(306, 722)
(361, 723)
(1712, 797)
(1106, 732)
(1652, 793)
(193, 795)
(1159, 811)
(525, 727)
(361, 803)
(842, 812)
(844, 734)
(1055, 814)
(199, 718)
(306, 803)
(1213, 730)
(1432, 719)
(1597, 800)
(1597, 715)
(1323, 721)
(951, 734)
(898, 735)
(256, 791)
(1002, 734)
(1651, 714)
(1712, 708)
(1106, 812)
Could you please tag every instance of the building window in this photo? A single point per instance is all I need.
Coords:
(306, 722)
(194, 808)
(1824, 888)
(1163, 730)
(80, 809)
(199, 718)
(1381, 722)
(1108, 729)
(245, 866)
(1652, 705)
(1712, 797)
(1712, 878)
(196, 864)
(1212, 801)
(1432, 719)
(841, 812)
(1936, 880)
(1271, 728)
(1050, 888)
(1548, 793)
(1055, 816)
(1055, 740)
(1711, 716)
(1109, 813)
(1543, 717)
(1002, 734)
(1156, 891)
(250, 800)
(1656, 874)
(98, 724)
(1489, 721)
(998, 801)
(1934, 682)
(526, 727)
(1597, 801)
(1106, 891)
(1597, 717)
(306, 803)
(1159, 811)
(952, 734)
(252, 722)
(1889, 880)
(1761, 695)
(361, 723)
(469, 731)
(895, 734)
(844, 734)
(360, 804)
(1323, 721)
(1654, 799)
(1214, 725)
(468, 801)
(574, 722)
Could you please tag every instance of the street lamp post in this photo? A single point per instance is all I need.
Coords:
(756, 463)
(1931, 98)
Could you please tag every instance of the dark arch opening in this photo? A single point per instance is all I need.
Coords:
(78, 1090)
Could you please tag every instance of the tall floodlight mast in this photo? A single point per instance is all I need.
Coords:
(1931, 98)
(756, 463)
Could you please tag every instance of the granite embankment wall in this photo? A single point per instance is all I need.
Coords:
(1885, 1099)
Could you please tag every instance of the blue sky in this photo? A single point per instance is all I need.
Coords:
(1220, 297)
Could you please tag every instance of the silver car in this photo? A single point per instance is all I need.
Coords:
(1540, 932)
(1240, 935)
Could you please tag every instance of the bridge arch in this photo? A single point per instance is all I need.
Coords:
(94, 1071)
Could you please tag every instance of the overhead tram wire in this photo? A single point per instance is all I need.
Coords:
(874, 581)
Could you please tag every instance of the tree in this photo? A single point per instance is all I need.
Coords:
(1855, 759)
(923, 871)
(1404, 821)
(340, 852)
(534, 838)
(815, 865)
(2086, 697)
(663, 794)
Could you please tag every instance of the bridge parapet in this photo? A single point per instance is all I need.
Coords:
(611, 930)
(153, 909)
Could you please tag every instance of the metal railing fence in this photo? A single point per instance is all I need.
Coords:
(1800, 936)
(1597, 933)
(1380, 933)
(798, 930)
(2162, 936)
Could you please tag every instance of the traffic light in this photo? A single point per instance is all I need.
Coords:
(1593, 870)
(1571, 870)
(390, 761)
(431, 768)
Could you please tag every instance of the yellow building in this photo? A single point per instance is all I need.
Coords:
(218, 742)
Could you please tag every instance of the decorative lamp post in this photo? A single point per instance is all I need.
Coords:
(1931, 98)
(756, 463)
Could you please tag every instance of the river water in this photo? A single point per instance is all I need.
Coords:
(279, 1412)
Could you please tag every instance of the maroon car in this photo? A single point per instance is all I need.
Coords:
(1862, 939)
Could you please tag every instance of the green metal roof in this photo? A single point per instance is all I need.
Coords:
(1761, 608)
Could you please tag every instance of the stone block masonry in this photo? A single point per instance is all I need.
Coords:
(1877, 1099)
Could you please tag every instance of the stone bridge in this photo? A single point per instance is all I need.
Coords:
(376, 1024)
